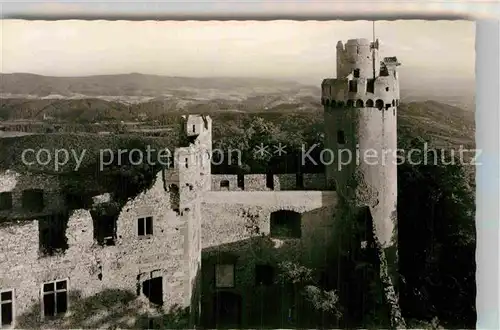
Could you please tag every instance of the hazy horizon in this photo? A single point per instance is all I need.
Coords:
(303, 51)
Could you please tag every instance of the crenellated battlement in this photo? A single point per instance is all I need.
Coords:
(362, 79)
(358, 92)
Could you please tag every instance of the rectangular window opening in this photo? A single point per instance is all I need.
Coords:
(5, 201)
(224, 275)
(356, 73)
(270, 181)
(194, 128)
(6, 308)
(105, 229)
(145, 226)
(353, 86)
(52, 234)
(370, 86)
(224, 185)
(55, 298)
(32, 200)
(340, 137)
(241, 181)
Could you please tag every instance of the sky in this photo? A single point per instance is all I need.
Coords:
(303, 51)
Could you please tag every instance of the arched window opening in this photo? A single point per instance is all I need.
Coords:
(359, 104)
(224, 185)
(369, 103)
(379, 104)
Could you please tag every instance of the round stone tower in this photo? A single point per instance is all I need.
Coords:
(360, 132)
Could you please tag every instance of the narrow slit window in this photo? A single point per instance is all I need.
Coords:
(353, 86)
(270, 181)
(370, 86)
(194, 128)
(241, 181)
(340, 137)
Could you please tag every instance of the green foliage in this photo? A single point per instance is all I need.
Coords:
(436, 238)
(324, 302)
(291, 272)
(245, 133)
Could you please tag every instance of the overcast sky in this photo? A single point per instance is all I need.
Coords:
(279, 49)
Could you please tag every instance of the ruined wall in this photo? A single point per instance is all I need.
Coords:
(260, 182)
(218, 182)
(91, 268)
(238, 224)
(15, 183)
(221, 227)
(199, 128)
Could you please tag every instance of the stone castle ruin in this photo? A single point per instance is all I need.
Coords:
(208, 244)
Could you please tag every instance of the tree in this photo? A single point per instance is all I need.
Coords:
(436, 237)
(323, 306)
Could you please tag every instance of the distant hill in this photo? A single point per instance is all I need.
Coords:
(214, 93)
(447, 126)
(133, 84)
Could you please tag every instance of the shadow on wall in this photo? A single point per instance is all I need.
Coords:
(241, 286)
(231, 296)
(109, 308)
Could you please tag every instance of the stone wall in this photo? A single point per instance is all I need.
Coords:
(15, 183)
(238, 224)
(225, 182)
(91, 268)
(259, 182)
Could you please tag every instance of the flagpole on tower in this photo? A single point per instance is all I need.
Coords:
(373, 30)
(373, 48)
